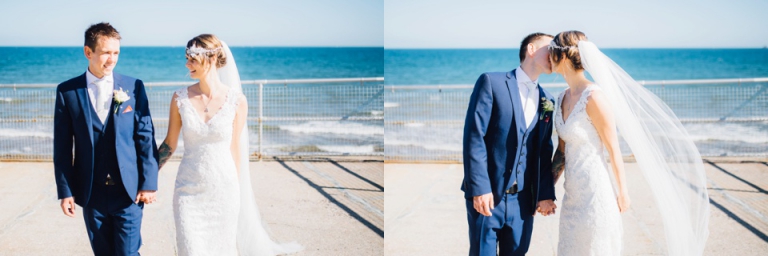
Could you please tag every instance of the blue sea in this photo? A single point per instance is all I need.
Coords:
(20, 65)
(463, 66)
(25, 128)
(424, 124)
(164, 64)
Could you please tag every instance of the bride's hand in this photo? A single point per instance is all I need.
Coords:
(624, 202)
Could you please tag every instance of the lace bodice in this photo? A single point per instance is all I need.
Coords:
(577, 130)
(217, 130)
(590, 223)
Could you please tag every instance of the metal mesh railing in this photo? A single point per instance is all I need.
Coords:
(725, 117)
(324, 117)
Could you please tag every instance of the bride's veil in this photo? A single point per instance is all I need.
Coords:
(252, 236)
(664, 151)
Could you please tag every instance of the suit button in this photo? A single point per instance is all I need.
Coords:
(522, 153)
(520, 163)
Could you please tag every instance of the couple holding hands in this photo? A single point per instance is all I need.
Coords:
(112, 171)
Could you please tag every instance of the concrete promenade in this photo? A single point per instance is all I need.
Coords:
(329, 207)
(337, 208)
(426, 214)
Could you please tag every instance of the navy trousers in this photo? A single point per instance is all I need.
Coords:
(509, 226)
(113, 221)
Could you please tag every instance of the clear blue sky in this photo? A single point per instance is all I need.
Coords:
(173, 22)
(608, 23)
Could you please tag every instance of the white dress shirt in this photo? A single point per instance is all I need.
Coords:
(529, 95)
(100, 93)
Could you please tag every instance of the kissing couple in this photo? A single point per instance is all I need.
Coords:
(113, 170)
(510, 171)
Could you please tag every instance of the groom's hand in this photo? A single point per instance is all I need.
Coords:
(545, 207)
(483, 204)
(68, 206)
(146, 196)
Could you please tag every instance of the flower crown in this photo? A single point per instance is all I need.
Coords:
(195, 50)
(553, 45)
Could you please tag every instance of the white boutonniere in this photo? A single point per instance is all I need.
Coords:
(119, 96)
(547, 106)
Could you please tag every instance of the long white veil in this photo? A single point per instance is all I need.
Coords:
(252, 236)
(664, 151)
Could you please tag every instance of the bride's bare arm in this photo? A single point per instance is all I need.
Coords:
(558, 161)
(599, 110)
(172, 138)
(241, 117)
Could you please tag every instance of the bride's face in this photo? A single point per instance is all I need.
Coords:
(554, 65)
(196, 69)
(560, 67)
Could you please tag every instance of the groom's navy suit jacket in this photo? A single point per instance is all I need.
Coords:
(498, 148)
(134, 145)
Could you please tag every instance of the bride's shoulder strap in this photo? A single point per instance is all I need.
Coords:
(581, 102)
(588, 91)
(234, 96)
(587, 94)
(181, 94)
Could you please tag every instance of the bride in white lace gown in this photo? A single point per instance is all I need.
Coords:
(213, 208)
(588, 118)
(206, 200)
(590, 223)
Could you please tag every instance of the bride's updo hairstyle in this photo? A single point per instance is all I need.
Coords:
(565, 46)
(206, 48)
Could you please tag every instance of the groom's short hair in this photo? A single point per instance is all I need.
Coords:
(95, 31)
(529, 39)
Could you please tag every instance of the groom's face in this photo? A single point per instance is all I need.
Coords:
(103, 58)
(541, 55)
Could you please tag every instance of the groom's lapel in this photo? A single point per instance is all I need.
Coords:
(514, 96)
(85, 105)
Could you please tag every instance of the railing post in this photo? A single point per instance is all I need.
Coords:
(261, 119)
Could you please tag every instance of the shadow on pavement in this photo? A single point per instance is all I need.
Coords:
(330, 198)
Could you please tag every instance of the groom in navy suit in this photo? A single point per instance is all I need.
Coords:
(112, 172)
(508, 153)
